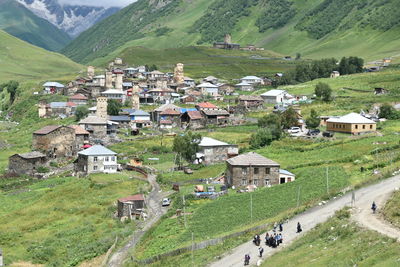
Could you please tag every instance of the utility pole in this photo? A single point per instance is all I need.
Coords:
(298, 196)
(184, 210)
(192, 249)
(327, 180)
(251, 207)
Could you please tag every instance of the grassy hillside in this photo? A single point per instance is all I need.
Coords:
(22, 23)
(338, 242)
(202, 61)
(22, 61)
(314, 28)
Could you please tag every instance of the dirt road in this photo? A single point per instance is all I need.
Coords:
(309, 219)
(155, 211)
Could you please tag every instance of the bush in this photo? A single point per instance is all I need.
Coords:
(42, 169)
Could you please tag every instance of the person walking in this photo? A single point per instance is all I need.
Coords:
(260, 251)
(280, 227)
(299, 230)
(280, 239)
(277, 240)
(275, 226)
(266, 238)
(246, 259)
(373, 207)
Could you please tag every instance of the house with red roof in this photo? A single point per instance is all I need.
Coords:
(206, 106)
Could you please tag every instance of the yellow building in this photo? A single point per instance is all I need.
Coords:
(351, 123)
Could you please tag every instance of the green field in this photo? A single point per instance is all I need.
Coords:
(339, 242)
(63, 221)
(22, 61)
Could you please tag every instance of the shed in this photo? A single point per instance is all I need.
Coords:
(127, 206)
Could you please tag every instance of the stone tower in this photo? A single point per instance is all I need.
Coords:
(228, 38)
(101, 110)
(42, 109)
(179, 76)
(90, 71)
(119, 81)
(135, 97)
(109, 80)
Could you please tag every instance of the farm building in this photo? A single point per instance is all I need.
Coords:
(286, 176)
(26, 164)
(214, 151)
(351, 123)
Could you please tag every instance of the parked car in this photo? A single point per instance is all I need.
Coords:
(294, 130)
(327, 134)
(166, 202)
(313, 132)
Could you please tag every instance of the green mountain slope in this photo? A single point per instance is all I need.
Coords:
(315, 28)
(22, 23)
(21, 61)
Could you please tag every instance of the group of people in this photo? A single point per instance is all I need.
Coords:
(272, 240)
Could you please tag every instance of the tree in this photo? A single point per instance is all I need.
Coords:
(388, 112)
(298, 56)
(263, 137)
(186, 146)
(271, 122)
(81, 112)
(323, 91)
(313, 121)
(289, 118)
(12, 89)
(113, 107)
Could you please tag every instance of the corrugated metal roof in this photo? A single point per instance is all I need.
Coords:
(97, 150)
(351, 118)
(47, 129)
(138, 197)
(274, 92)
(207, 141)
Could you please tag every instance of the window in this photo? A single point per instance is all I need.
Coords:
(107, 158)
(244, 170)
(267, 182)
(363, 126)
(356, 126)
(255, 170)
(244, 181)
(267, 170)
(255, 182)
(95, 168)
(370, 126)
(95, 159)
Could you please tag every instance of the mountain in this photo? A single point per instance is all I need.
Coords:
(22, 61)
(22, 23)
(314, 28)
(72, 19)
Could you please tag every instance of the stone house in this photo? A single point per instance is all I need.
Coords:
(216, 117)
(130, 206)
(26, 164)
(243, 86)
(155, 114)
(96, 159)
(251, 169)
(171, 115)
(188, 99)
(335, 74)
(253, 80)
(208, 89)
(78, 99)
(55, 141)
(81, 136)
(251, 102)
(352, 123)
(96, 126)
(192, 119)
(213, 151)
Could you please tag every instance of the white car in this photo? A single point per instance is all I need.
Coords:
(166, 202)
(294, 130)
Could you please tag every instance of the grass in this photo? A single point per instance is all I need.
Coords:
(23, 61)
(203, 173)
(201, 62)
(391, 209)
(339, 242)
(63, 221)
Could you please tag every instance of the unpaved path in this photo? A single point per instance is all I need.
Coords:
(309, 219)
(362, 214)
(155, 211)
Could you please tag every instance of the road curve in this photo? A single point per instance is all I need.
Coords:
(309, 219)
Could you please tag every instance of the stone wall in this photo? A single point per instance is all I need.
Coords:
(21, 166)
(56, 144)
(217, 154)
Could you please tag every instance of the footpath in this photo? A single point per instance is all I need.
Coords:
(363, 199)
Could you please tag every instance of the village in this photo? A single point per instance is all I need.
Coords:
(152, 103)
